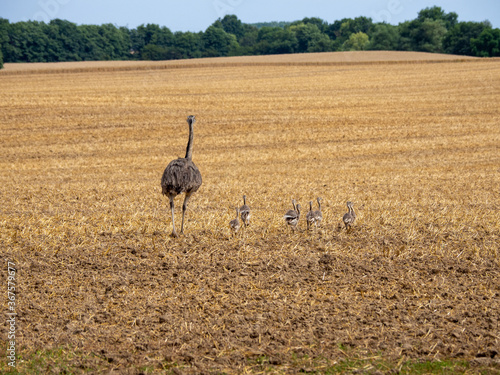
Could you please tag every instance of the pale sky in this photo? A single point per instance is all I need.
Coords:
(197, 15)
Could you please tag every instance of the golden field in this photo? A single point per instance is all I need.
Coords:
(414, 144)
(321, 58)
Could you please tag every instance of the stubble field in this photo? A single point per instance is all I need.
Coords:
(102, 287)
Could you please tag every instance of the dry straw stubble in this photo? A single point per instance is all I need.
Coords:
(414, 146)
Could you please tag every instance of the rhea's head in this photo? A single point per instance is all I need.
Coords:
(191, 119)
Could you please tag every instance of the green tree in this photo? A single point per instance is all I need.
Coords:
(146, 33)
(275, 40)
(155, 52)
(384, 37)
(216, 42)
(458, 39)
(260, 25)
(357, 42)
(340, 31)
(64, 41)
(1, 60)
(310, 38)
(27, 42)
(249, 40)
(232, 25)
(422, 35)
(426, 33)
(4, 34)
(127, 42)
(136, 42)
(433, 30)
(114, 45)
(321, 43)
(429, 36)
(188, 44)
(150, 34)
(405, 37)
(438, 14)
(95, 46)
(487, 44)
(320, 24)
(105, 42)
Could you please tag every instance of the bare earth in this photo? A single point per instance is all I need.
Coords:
(414, 144)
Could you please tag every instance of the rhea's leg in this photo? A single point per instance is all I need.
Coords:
(174, 233)
(184, 207)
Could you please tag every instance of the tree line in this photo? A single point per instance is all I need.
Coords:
(433, 30)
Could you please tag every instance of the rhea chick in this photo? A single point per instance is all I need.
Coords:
(292, 216)
(235, 223)
(318, 215)
(349, 217)
(245, 212)
(311, 216)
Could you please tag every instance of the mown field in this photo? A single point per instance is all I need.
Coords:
(102, 287)
(329, 58)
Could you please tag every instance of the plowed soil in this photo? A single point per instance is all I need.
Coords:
(102, 287)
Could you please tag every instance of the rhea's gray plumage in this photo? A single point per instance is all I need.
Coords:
(292, 216)
(245, 212)
(181, 176)
(318, 215)
(310, 217)
(349, 217)
(235, 223)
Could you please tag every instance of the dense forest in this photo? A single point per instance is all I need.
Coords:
(433, 30)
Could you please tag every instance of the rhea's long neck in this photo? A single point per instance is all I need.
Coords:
(189, 148)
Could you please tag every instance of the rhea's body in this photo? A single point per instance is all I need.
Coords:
(181, 176)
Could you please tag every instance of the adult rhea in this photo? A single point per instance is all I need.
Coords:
(181, 176)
